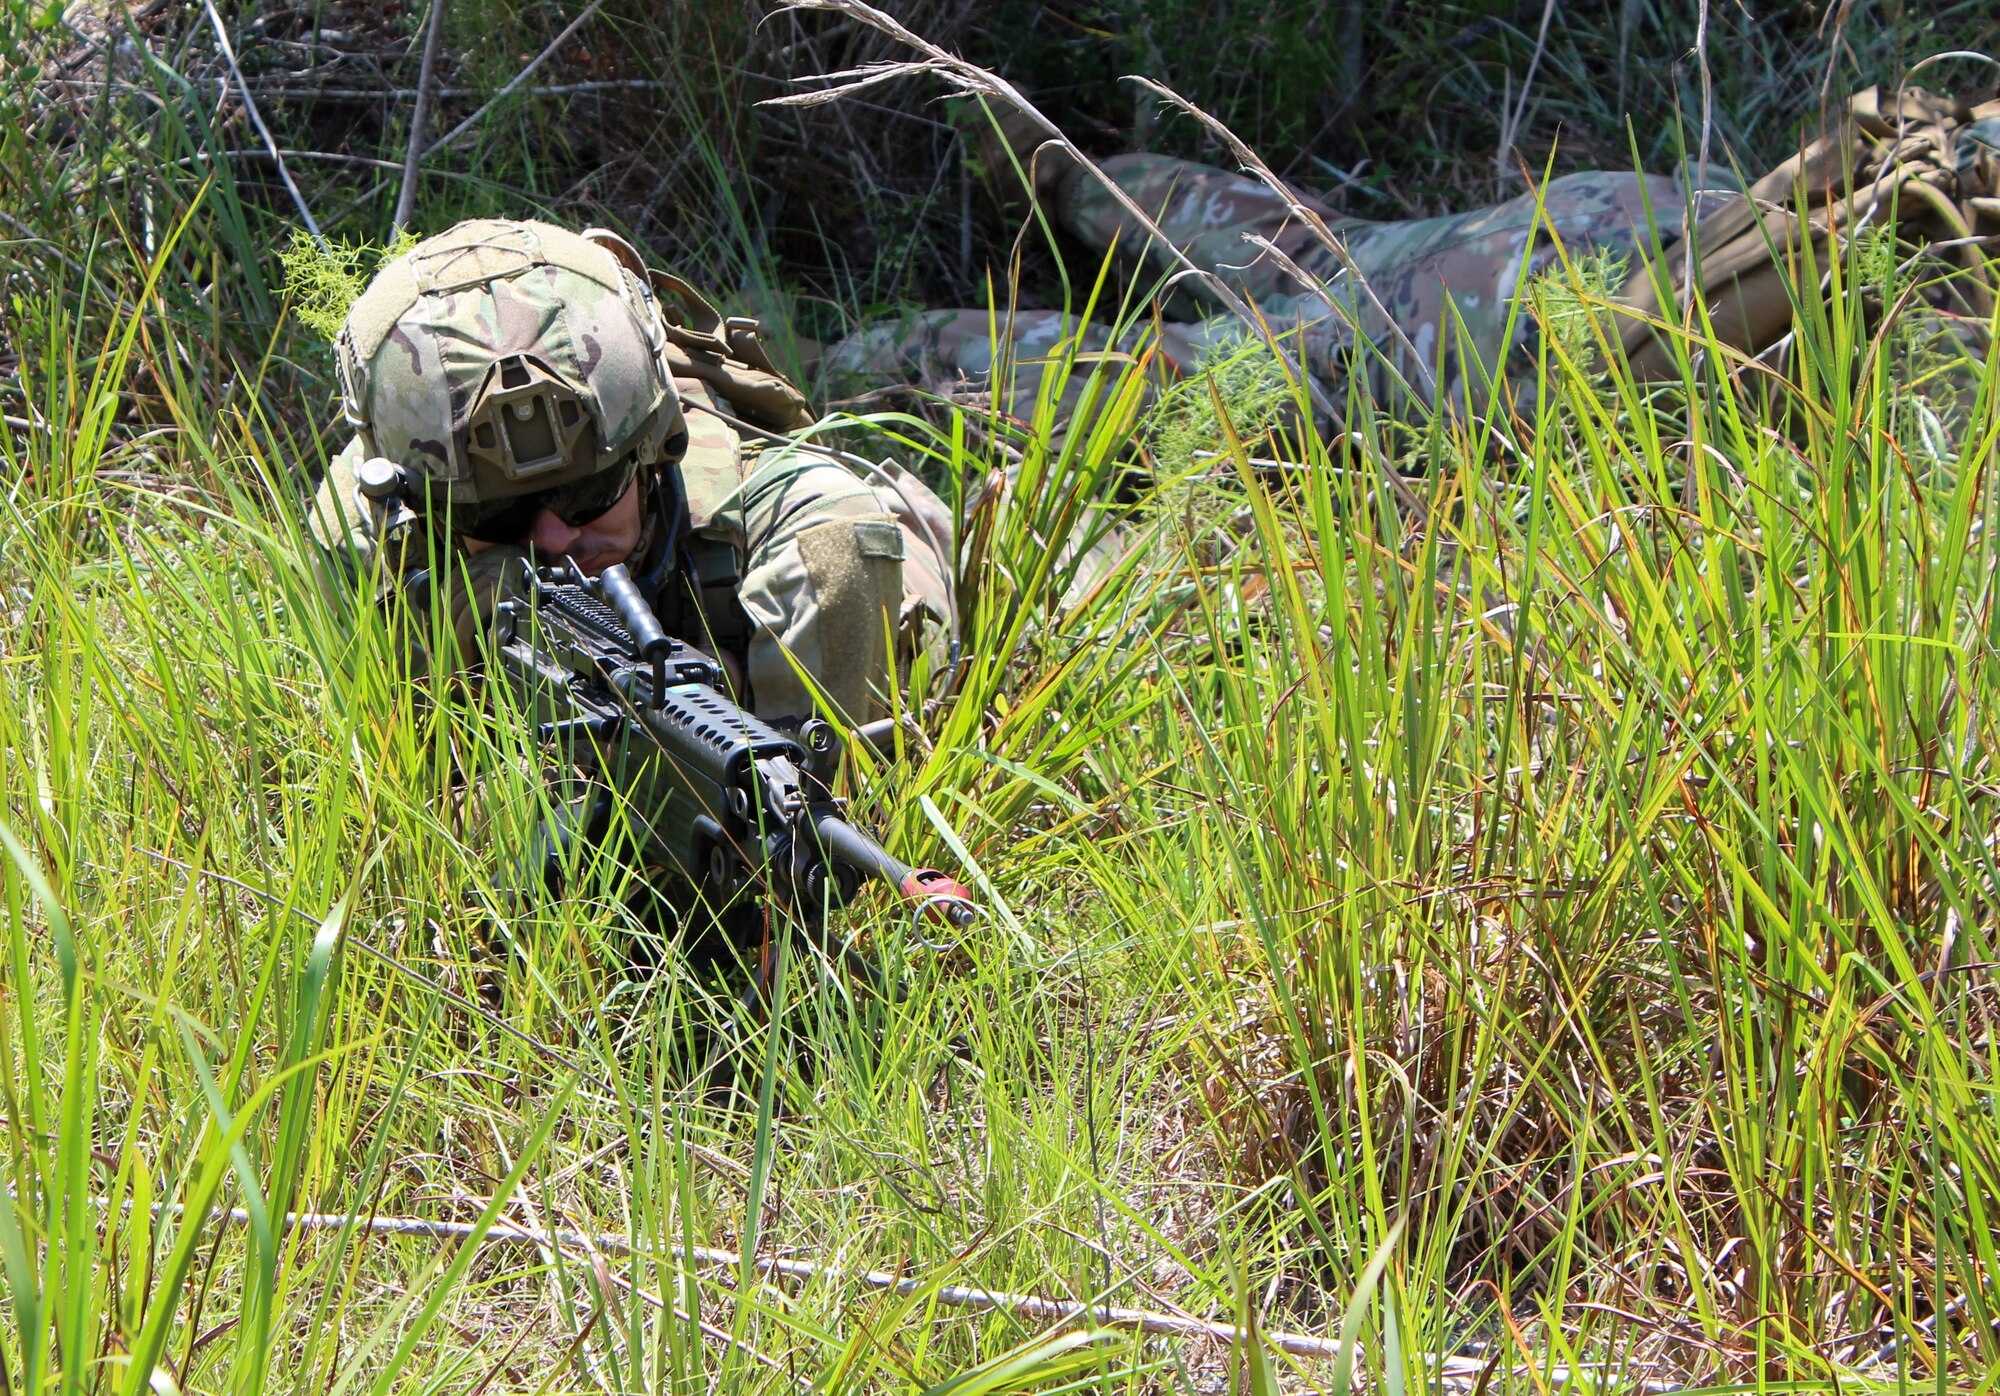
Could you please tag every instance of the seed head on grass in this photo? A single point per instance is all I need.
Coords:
(1573, 305)
(1244, 375)
(1238, 389)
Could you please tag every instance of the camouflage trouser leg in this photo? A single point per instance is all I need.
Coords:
(1211, 215)
(1447, 284)
(841, 581)
(1450, 285)
(1414, 303)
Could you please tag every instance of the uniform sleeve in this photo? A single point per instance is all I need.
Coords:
(841, 586)
(462, 591)
(335, 521)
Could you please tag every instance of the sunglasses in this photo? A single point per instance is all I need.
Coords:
(575, 502)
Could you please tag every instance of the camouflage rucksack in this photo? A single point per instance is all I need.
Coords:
(1932, 162)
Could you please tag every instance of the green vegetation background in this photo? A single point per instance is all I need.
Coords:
(1539, 909)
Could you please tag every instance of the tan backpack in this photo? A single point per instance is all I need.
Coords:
(1931, 162)
(729, 356)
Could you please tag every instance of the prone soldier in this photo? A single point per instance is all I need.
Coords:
(1431, 307)
(1420, 294)
(519, 392)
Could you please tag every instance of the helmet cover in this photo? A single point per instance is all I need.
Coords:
(500, 358)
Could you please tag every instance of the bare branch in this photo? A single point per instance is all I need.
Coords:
(569, 31)
(257, 120)
(1707, 132)
(1510, 125)
(406, 199)
(503, 1232)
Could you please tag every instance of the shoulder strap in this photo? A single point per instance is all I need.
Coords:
(711, 466)
(729, 356)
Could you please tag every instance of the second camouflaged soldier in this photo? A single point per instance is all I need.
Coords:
(1424, 279)
(516, 389)
(1431, 307)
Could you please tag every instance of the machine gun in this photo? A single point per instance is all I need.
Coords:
(733, 805)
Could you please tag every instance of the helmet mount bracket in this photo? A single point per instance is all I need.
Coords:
(526, 421)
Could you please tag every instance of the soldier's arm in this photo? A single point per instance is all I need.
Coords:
(334, 519)
(347, 531)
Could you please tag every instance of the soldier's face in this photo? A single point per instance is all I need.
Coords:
(595, 544)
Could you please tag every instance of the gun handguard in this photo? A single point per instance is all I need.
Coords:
(721, 794)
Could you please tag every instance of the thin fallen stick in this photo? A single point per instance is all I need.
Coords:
(1452, 1368)
(299, 91)
(257, 120)
(952, 1296)
(1455, 1369)
(406, 198)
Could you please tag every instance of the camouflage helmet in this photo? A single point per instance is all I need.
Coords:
(499, 359)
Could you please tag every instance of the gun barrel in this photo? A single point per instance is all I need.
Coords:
(937, 894)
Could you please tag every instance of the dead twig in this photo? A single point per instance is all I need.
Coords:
(1453, 1370)
(406, 198)
(1701, 158)
(503, 1232)
(569, 30)
(257, 120)
(300, 92)
(1510, 125)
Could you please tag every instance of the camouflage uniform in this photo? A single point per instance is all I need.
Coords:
(834, 569)
(1472, 263)
(782, 560)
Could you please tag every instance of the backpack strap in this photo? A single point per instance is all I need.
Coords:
(711, 464)
(729, 356)
(700, 603)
